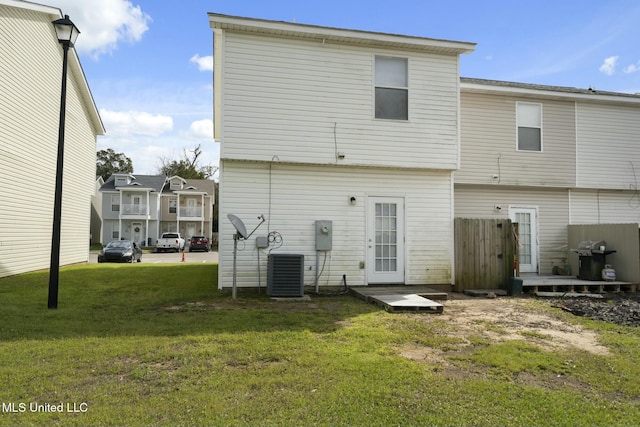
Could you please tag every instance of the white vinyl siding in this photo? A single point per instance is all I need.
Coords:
(605, 207)
(609, 146)
(305, 102)
(323, 193)
(488, 140)
(529, 117)
(31, 71)
(553, 215)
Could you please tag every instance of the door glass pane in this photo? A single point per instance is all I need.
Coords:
(524, 230)
(386, 237)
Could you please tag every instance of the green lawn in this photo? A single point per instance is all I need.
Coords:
(159, 345)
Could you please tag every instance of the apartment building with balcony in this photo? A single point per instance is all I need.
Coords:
(142, 207)
(187, 206)
(131, 207)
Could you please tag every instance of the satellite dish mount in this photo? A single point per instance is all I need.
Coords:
(241, 234)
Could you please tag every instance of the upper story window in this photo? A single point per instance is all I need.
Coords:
(391, 88)
(115, 203)
(529, 122)
(173, 204)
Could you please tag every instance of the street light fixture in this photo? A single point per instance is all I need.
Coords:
(67, 34)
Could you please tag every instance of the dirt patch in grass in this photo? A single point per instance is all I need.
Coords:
(496, 320)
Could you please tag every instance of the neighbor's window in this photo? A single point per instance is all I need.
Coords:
(529, 118)
(115, 233)
(392, 88)
(173, 203)
(115, 203)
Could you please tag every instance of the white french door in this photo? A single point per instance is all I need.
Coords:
(385, 240)
(527, 219)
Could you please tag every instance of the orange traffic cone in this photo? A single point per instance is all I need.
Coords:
(182, 256)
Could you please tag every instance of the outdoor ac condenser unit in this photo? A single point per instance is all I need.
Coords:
(285, 277)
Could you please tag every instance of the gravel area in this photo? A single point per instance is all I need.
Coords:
(621, 309)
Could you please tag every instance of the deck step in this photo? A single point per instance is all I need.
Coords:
(408, 302)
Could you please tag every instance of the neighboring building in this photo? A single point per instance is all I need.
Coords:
(131, 207)
(353, 127)
(187, 207)
(142, 207)
(30, 80)
(547, 157)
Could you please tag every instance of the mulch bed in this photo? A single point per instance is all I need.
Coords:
(621, 309)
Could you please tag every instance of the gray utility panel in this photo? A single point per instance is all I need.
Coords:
(324, 235)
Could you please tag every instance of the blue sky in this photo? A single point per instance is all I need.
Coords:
(149, 62)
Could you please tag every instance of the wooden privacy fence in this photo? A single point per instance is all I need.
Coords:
(485, 250)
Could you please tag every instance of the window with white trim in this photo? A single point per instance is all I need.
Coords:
(173, 204)
(391, 88)
(115, 232)
(529, 122)
(115, 203)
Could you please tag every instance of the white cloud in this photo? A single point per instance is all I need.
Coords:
(201, 129)
(608, 67)
(104, 23)
(135, 123)
(205, 63)
(632, 68)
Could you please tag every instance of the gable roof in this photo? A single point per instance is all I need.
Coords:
(337, 35)
(75, 68)
(536, 90)
(195, 186)
(140, 182)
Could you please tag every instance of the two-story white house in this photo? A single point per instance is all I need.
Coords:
(356, 128)
(547, 157)
(30, 81)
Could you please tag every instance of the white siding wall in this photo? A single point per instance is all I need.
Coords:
(304, 101)
(30, 72)
(553, 215)
(604, 207)
(609, 146)
(302, 194)
(489, 138)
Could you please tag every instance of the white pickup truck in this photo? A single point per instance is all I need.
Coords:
(170, 242)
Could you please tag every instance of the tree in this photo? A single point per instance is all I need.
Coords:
(109, 162)
(188, 167)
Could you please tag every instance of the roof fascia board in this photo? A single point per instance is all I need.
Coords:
(32, 6)
(516, 91)
(305, 31)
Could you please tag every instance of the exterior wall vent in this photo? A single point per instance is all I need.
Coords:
(285, 275)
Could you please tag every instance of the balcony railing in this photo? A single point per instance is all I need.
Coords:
(190, 212)
(134, 210)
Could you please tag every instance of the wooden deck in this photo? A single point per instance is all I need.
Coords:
(537, 283)
(402, 298)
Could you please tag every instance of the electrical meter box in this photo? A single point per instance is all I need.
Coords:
(324, 235)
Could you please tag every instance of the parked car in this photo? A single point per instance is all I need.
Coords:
(199, 243)
(120, 251)
(170, 242)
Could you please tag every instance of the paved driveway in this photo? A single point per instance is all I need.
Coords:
(170, 257)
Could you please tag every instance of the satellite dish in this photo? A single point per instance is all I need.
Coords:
(239, 225)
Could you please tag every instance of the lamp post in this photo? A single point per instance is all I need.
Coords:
(67, 34)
